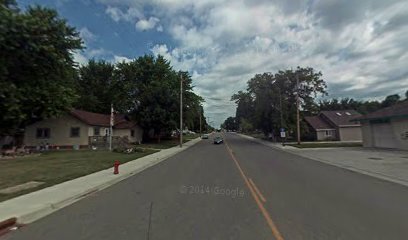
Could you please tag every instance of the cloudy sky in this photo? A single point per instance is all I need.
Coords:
(360, 46)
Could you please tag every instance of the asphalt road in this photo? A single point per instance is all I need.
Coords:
(237, 190)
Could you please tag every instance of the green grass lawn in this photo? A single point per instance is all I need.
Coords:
(57, 167)
(325, 145)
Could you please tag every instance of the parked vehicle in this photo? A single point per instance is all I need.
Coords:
(204, 136)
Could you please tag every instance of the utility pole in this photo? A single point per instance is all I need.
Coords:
(280, 105)
(181, 111)
(297, 109)
(200, 121)
(111, 127)
(281, 116)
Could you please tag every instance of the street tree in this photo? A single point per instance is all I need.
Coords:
(272, 98)
(36, 65)
(230, 124)
(154, 89)
(99, 85)
(391, 100)
(245, 105)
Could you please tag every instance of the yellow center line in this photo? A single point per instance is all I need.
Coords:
(265, 213)
(257, 190)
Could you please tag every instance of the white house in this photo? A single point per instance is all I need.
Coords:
(80, 128)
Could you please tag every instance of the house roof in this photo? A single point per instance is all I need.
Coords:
(125, 125)
(98, 119)
(395, 111)
(342, 118)
(318, 123)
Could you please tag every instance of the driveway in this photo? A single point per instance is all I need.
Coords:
(383, 163)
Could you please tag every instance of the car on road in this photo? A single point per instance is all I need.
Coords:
(218, 140)
(204, 136)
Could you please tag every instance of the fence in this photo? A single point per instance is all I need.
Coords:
(101, 142)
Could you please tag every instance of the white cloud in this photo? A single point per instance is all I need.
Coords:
(146, 24)
(86, 34)
(129, 15)
(359, 47)
(117, 59)
(79, 58)
(97, 52)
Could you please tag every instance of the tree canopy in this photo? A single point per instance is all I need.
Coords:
(360, 106)
(230, 123)
(147, 89)
(36, 65)
(269, 102)
(39, 78)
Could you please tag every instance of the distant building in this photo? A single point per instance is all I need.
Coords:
(80, 129)
(335, 126)
(387, 127)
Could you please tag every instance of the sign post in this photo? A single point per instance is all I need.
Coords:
(283, 136)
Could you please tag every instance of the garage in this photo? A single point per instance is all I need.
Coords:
(383, 136)
(387, 127)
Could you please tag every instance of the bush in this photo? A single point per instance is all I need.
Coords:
(139, 149)
(119, 149)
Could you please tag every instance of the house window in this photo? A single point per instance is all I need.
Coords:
(328, 133)
(43, 133)
(106, 131)
(97, 131)
(75, 131)
(132, 133)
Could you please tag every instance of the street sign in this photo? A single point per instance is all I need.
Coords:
(283, 134)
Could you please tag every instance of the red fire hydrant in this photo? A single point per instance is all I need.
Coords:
(116, 167)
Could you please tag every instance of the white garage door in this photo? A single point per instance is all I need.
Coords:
(383, 135)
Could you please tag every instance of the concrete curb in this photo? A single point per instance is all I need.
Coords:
(33, 213)
(296, 151)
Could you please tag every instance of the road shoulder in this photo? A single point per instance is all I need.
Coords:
(383, 164)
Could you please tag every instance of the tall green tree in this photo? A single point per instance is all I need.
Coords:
(154, 87)
(390, 100)
(99, 85)
(36, 65)
(230, 124)
(272, 98)
(246, 125)
(245, 105)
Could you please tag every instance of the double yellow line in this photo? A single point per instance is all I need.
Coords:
(257, 195)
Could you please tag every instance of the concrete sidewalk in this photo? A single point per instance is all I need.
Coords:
(390, 165)
(30, 207)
